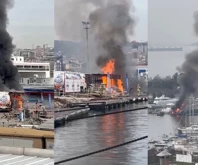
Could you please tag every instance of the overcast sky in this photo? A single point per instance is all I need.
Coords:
(64, 23)
(141, 15)
(171, 22)
(32, 22)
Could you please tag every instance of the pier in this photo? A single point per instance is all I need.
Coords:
(67, 114)
(79, 110)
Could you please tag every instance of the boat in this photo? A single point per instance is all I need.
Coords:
(163, 101)
(167, 110)
(162, 145)
(193, 129)
(160, 113)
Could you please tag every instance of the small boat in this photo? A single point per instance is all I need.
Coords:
(160, 113)
(152, 141)
(162, 145)
(193, 129)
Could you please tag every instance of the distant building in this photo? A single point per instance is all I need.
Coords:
(74, 65)
(40, 54)
(138, 52)
(31, 70)
(58, 64)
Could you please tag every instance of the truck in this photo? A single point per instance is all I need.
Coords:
(11, 100)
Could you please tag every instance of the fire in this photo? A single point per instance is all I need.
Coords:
(109, 67)
(113, 83)
(177, 110)
(119, 82)
(104, 80)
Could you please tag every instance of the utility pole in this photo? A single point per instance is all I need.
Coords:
(86, 27)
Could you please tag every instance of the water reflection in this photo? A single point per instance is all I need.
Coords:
(167, 124)
(87, 135)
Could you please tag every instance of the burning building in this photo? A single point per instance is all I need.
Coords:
(111, 81)
(108, 77)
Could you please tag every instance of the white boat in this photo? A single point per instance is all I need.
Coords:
(164, 100)
(166, 110)
(189, 130)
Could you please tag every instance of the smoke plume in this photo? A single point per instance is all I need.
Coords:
(9, 77)
(189, 77)
(111, 22)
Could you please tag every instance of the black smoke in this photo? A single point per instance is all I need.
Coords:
(9, 76)
(110, 24)
(189, 78)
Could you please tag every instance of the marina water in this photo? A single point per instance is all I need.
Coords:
(88, 135)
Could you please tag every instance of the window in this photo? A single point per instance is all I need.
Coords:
(27, 67)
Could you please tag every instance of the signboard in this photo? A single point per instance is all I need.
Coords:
(184, 158)
(4, 99)
(59, 79)
(73, 81)
(69, 85)
(77, 85)
(69, 81)
(142, 73)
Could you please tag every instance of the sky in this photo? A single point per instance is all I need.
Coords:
(171, 22)
(31, 22)
(141, 16)
(64, 23)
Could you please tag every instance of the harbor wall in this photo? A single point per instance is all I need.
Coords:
(29, 138)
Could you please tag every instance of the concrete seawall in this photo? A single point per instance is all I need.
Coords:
(43, 153)
(80, 110)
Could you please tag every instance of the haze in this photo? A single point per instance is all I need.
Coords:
(171, 22)
(140, 14)
(31, 22)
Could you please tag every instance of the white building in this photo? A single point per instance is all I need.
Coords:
(31, 69)
(32, 72)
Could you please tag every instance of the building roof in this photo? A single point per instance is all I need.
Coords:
(164, 153)
(25, 132)
(8, 159)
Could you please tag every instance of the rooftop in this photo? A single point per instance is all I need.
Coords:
(9, 159)
(21, 132)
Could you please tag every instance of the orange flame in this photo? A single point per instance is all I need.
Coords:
(177, 110)
(109, 67)
(120, 87)
(104, 80)
(113, 83)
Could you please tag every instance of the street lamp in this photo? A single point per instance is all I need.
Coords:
(86, 27)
